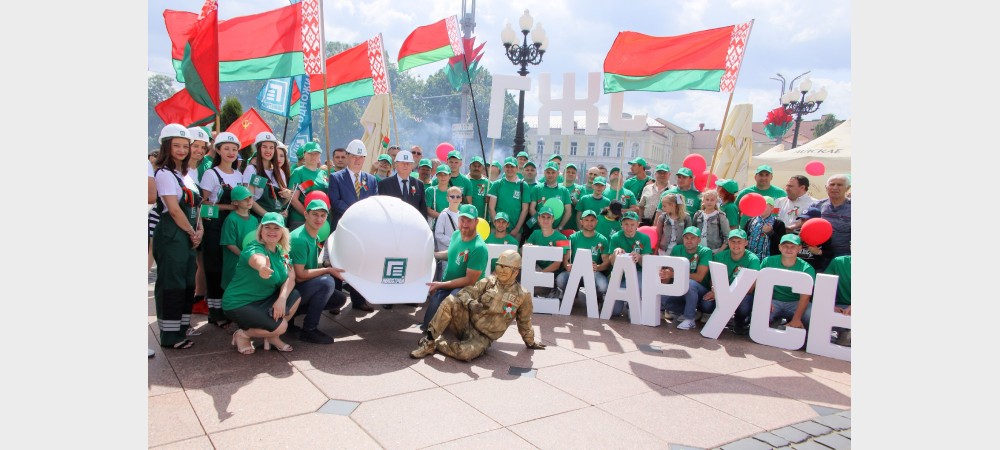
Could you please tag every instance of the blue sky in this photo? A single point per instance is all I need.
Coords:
(789, 38)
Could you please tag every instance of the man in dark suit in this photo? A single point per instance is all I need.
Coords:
(347, 187)
(403, 186)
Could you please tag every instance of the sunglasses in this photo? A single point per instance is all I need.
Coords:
(417, 153)
(455, 196)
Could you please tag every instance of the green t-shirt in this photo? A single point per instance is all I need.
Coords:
(538, 238)
(627, 198)
(493, 239)
(511, 197)
(575, 194)
(542, 193)
(772, 191)
(594, 204)
(732, 214)
(234, 230)
(461, 181)
(692, 198)
(639, 242)
(608, 227)
(478, 190)
(301, 175)
(436, 199)
(748, 261)
(596, 244)
(635, 185)
(464, 255)
(784, 293)
(841, 267)
(247, 286)
(701, 257)
(304, 248)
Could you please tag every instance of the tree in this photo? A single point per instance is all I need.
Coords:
(827, 123)
(232, 109)
(159, 88)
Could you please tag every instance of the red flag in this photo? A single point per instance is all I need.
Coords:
(306, 185)
(181, 108)
(247, 126)
(200, 63)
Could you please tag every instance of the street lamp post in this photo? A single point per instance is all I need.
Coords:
(522, 55)
(808, 103)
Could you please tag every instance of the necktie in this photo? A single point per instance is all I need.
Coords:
(406, 190)
(357, 185)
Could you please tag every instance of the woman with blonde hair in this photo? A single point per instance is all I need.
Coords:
(670, 222)
(713, 222)
(261, 298)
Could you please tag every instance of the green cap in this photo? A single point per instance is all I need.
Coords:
(454, 154)
(477, 159)
(615, 169)
(601, 181)
(556, 156)
(630, 215)
(546, 210)
(502, 216)
(693, 230)
(530, 163)
(737, 234)
(685, 172)
(385, 157)
(496, 163)
(310, 147)
(588, 212)
(793, 238)
(551, 166)
(640, 161)
(299, 153)
(272, 217)
(769, 200)
(469, 211)
(239, 193)
(729, 185)
(761, 168)
(425, 163)
(510, 161)
(317, 204)
(662, 168)
(571, 165)
(443, 168)
(523, 155)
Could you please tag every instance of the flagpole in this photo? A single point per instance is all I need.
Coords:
(284, 134)
(492, 145)
(718, 140)
(326, 115)
(472, 93)
(621, 172)
(392, 104)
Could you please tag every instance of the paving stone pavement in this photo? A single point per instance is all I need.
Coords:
(832, 431)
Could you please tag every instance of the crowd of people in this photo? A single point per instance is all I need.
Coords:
(239, 237)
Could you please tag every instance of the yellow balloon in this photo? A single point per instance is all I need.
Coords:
(483, 228)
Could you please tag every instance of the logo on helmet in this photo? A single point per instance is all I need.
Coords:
(394, 271)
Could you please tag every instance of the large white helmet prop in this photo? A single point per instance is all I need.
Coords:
(385, 249)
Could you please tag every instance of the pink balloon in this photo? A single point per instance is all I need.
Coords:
(753, 204)
(699, 181)
(695, 162)
(815, 168)
(651, 232)
(442, 151)
(816, 231)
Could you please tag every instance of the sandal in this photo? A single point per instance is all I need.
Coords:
(187, 343)
(282, 347)
(225, 324)
(238, 337)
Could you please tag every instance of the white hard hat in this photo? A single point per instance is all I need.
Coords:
(386, 250)
(226, 136)
(265, 136)
(356, 147)
(282, 145)
(174, 130)
(197, 134)
(404, 156)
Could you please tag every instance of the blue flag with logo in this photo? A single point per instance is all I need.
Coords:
(275, 96)
(304, 133)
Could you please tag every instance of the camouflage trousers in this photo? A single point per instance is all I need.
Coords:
(453, 316)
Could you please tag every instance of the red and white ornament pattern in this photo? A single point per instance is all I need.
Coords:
(312, 51)
(734, 56)
(375, 59)
(451, 23)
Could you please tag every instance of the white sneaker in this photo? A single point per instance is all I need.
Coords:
(687, 324)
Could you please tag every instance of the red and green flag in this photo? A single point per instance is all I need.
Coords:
(430, 43)
(706, 60)
(181, 108)
(198, 102)
(353, 73)
(254, 47)
(462, 68)
(247, 126)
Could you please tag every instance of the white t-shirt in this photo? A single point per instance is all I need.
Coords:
(444, 228)
(210, 182)
(149, 168)
(166, 184)
(250, 171)
(788, 210)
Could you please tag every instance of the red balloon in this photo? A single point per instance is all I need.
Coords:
(753, 204)
(317, 195)
(442, 151)
(567, 233)
(651, 232)
(699, 181)
(695, 162)
(815, 168)
(816, 231)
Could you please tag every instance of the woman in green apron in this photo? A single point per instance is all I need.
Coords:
(175, 237)
(216, 185)
(306, 178)
(258, 175)
(281, 175)
(196, 167)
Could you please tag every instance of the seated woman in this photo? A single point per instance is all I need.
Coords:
(261, 297)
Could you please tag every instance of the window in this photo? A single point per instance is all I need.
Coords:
(541, 148)
(620, 144)
(635, 149)
(590, 149)
(556, 147)
(572, 148)
(607, 149)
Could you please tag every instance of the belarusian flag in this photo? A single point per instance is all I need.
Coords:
(198, 102)
(353, 73)
(255, 47)
(704, 60)
(430, 43)
(247, 126)
(462, 68)
(181, 108)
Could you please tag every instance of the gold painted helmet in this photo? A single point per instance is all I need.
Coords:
(510, 258)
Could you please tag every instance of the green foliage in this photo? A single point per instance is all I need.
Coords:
(827, 123)
(232, 109)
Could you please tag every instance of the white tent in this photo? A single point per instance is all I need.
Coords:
(833, 149)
